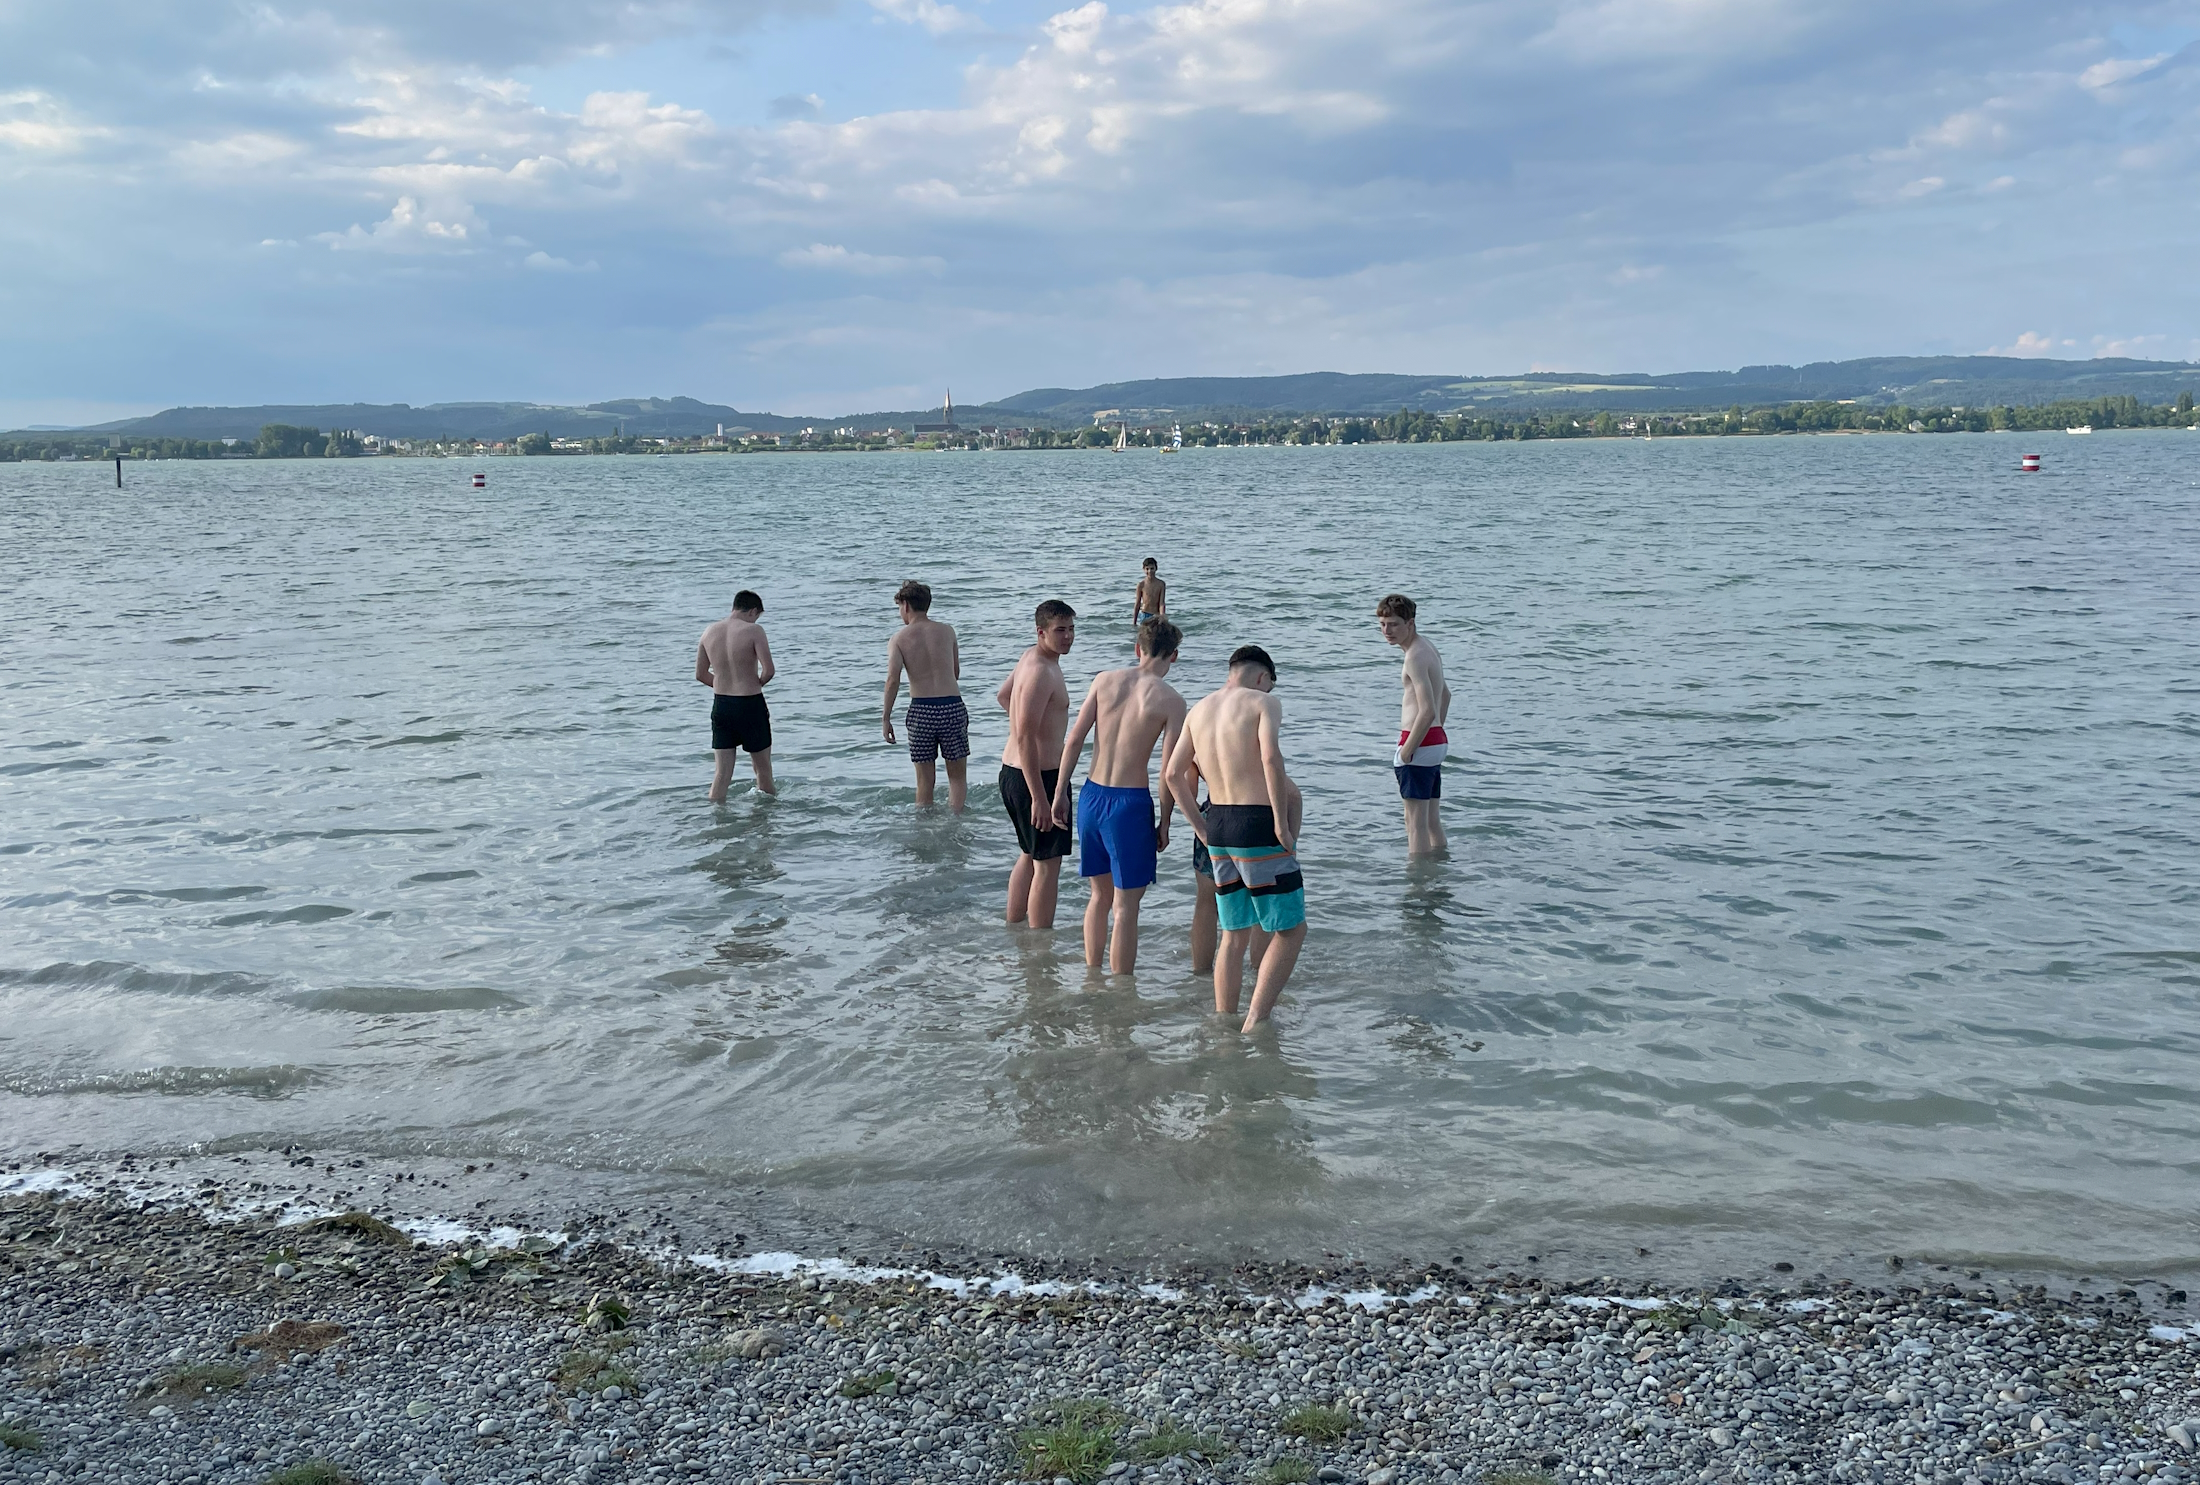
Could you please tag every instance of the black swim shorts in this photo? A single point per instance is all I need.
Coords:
(1016, 798)
(740, 722)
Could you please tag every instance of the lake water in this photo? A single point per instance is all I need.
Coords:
(1825, 878)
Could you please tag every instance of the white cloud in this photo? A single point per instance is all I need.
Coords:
(835, 258)
(2030, 343)
(35, 122)
(1922, 187)
(410, 229)
(933, 15)
(2141, 347)
(2120, 70)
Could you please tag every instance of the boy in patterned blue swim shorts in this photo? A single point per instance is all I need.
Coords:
(938, 722)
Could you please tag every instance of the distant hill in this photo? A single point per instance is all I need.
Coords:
(1919, 381)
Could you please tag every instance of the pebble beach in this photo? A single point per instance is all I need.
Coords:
(219, 1335)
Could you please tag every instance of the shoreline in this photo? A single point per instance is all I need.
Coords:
(222, 1331)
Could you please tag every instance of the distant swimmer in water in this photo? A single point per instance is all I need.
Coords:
(734, 659)
(1126, 712)
(1422, 741)
(1152, 600)
(1036, 699)
(1250, 828)
(938, 722)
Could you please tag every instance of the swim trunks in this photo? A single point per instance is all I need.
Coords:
(1422, 777)
(1145, 618)
(1119, 834)
(939, 726)
(1016, 799)
(1256, 880)
(740, 722)
(1202, 864)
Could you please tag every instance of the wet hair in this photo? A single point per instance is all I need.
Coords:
(1396, 606)
(1160, 639)
(1252, 655)
(1150, 563)
(1047, 612)
(746, 602)
(916, 595)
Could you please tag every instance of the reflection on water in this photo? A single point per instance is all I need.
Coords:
(1822, 873)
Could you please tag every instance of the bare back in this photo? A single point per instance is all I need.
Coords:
(1132, 712)
(927, 650)
(1036, 697)
(1422, 678)
(736, 653)
(1227, 731)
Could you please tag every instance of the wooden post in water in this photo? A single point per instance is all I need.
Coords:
(118, 471)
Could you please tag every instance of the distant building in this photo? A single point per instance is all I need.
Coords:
(947, 418)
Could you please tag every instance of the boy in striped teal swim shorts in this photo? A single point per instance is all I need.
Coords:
(1232, 740)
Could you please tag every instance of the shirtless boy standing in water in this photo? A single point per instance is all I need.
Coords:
(1422, 742)
(1037, 702)
(939, 723)
(1127, 712)
(1233, 739)
(1152, 601)
(735, 660)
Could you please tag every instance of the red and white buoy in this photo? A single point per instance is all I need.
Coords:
(2030, 464)
(481, 481)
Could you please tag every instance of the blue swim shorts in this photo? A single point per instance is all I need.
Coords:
(1420, 781)
(1118, 828)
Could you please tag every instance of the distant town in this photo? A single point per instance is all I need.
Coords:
(1111, 429)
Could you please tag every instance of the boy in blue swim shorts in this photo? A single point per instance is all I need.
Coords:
(1126, 712)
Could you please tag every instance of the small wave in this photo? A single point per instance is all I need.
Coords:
(412, 739)
(62, 765)
(405, 1000)
(279, 1081)
(101, 974)
(312, 912)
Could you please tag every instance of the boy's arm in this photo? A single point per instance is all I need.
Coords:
(1180, 771)
(1027, 720)
(1073, 745)
(765, 670)
(1170, 732)
(1424, 709)
(1000, 697)
(1271, 767)
(893, 684)
(702, 663)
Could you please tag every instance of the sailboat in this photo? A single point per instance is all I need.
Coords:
(1122, 438)
(1176, 440)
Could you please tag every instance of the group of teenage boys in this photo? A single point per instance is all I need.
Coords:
(1251, 902)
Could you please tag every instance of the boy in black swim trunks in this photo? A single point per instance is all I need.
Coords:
(734, 659)
(1037, 702)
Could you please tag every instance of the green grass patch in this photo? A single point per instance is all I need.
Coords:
(865, 1385)
(20, 1439)
(312, 1472)
(1289, 1470)
(1317, 1423)
(201, 1378)
(1073, 1437)
(1171, 1438)
(592, 1371)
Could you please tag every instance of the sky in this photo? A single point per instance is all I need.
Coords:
(830, 206)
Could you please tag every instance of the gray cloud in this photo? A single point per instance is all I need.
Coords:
(1247, 184)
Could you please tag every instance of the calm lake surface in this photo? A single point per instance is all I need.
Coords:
(1825, 878)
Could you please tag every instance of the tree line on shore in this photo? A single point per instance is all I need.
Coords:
(285, 441)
